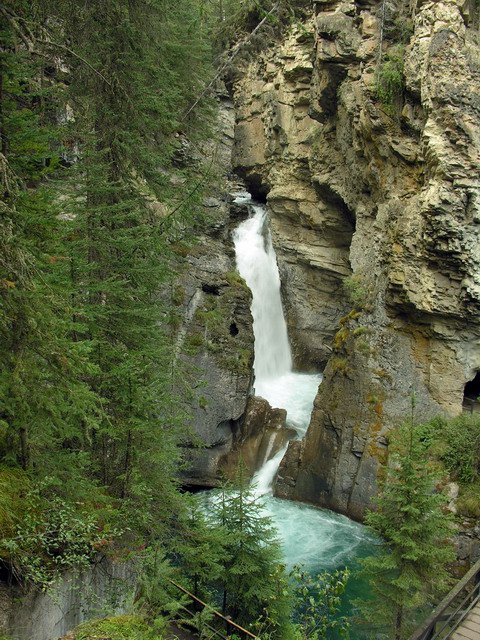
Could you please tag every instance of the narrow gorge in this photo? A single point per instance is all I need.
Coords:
(374, 212)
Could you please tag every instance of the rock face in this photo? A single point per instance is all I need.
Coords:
(275, 138)
(375, 211)
(213, 331)
(262, 435)
(107, 588)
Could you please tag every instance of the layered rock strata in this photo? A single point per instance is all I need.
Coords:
(363, 129)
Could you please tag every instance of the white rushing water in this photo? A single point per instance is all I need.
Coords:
(274, 379)
(316, 538)
(257, 265)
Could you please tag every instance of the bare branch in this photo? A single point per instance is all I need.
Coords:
(236, 49)
(76, 55)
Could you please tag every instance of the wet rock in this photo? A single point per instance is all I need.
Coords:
(261, 435)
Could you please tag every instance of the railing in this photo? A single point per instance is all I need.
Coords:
(224, 626)
(444, 621)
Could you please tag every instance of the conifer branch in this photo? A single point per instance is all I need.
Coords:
(76, 55)
(12, 19)
(190, 193)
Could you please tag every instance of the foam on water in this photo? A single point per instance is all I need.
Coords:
(317, 538)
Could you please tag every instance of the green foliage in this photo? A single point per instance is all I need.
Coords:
(200, 550)
(128, 627)
(51, 535)
(410, 567)
(14, 484)
(156, 599)
(468, 502)
(317, 603)
(356, 290)
(253, 581)
(88, 387)
(403, 29)
(456, 442)
(390, 79)
(227, 19)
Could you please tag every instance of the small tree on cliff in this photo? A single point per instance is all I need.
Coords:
(410, 517)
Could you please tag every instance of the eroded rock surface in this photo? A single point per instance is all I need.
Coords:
(212, 330)
(383, 198)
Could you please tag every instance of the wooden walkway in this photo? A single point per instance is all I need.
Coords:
(469, 629)
(457, 617)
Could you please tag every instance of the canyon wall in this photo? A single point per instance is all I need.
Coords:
(212, 330)
(361, 128)
(105, 588)
(212, 324)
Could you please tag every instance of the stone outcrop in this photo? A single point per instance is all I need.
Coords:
(106, 588)
(274, 140)
(213, 331)
(263, 434)
(375, 212)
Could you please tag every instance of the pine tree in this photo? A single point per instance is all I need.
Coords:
(411, 566)
(91, 97)
(41, 383)
(200, 549)
(119, 241)
(253, 584)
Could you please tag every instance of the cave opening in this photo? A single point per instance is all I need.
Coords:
(472, 391)
(233, 329)
(212, 289)
(256, 187)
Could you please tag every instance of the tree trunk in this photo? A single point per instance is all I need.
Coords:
(398, 623)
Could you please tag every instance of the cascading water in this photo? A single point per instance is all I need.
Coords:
(317, 538)
(257, 265)
(274, 379)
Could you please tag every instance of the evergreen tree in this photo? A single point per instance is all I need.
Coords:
(410, 568)
(253, 583)
(91, 97)
(200, 549)
(119, 236)
(40, 373)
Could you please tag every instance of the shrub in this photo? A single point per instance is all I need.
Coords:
(456, 443)
(50, 535)
(468, 503)
(129, 627)
(390, 79)
(356, 290)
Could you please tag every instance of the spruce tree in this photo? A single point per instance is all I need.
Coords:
(199, 549)
(253, 583)
(119, 242)
(91, 97)
(411, 566)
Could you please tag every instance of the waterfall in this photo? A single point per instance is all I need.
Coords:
(274, 378)
(257, 264)
(316, 538)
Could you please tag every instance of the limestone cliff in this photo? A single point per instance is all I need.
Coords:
(375, 210)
